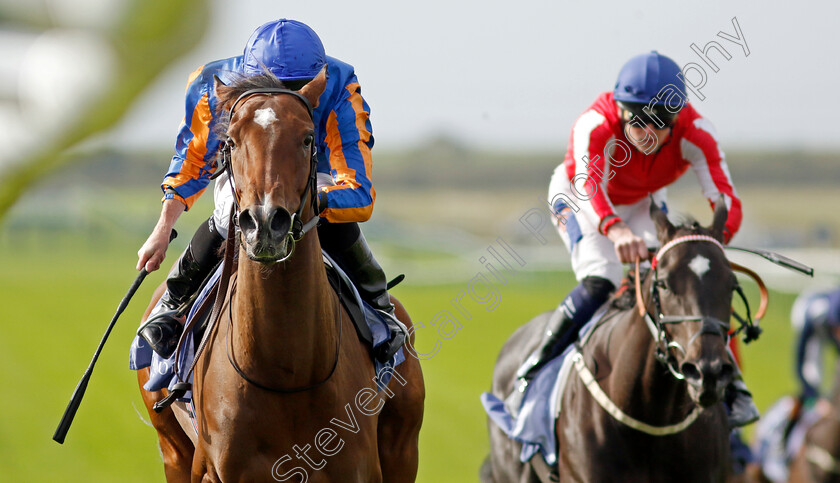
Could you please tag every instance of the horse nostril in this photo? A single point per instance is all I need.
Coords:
(246, 221)
(691, 372)
(727, 371)
(279, 222)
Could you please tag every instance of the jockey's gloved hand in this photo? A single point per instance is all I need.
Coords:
(628, 246)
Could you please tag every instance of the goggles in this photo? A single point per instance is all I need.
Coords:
(642, 115)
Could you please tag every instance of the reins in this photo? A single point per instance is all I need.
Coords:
(656, 324)
(297, 230)
(282, 390)
(711, 325)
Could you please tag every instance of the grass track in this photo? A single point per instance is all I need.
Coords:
(56, 300)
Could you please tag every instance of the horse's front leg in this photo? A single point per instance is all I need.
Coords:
(175, 446)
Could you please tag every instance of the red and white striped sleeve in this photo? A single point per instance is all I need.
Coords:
(590, 135)
(700, 148)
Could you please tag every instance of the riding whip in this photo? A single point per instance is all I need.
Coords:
(79, 393)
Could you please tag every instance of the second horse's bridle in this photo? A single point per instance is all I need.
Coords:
(710, 325)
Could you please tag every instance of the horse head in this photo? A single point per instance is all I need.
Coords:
(690, 286)
(270, 146)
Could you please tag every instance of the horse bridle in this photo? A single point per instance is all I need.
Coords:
(297, 229)
(710, 325)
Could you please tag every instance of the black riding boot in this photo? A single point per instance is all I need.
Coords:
(163, 329)
(347, 246)
(560, 331)
(739, 402)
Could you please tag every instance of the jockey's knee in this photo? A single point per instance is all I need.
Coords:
(599, 288)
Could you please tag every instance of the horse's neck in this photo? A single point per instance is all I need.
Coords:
(284, 315)
(654, 395)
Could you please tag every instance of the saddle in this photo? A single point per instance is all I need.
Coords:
(369, 324)
(339, 281)
(533, 426)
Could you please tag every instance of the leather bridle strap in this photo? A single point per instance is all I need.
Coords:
(297, 228)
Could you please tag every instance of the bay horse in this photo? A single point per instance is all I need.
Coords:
(818, 460)
(284, 390)
(643, 400)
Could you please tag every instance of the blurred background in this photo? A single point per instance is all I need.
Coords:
(472, 103)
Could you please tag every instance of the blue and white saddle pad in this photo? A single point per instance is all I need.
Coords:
(162, 373)
(533, 427)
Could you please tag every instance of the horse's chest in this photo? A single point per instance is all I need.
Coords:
(295, 436)
(595, 447)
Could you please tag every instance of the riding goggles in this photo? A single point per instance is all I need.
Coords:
(643, 114)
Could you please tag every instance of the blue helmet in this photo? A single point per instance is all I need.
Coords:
(644, 76)
(287, 48)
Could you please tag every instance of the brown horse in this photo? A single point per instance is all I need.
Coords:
(818, 461)
(284, 390)
(643, 401)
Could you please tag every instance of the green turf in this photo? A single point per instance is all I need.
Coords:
(57, 297)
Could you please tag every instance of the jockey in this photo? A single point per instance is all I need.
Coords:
(816, 318)
(292, 52)
(624, 150)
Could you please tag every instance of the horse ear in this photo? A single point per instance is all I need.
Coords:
(719, 220)
(313, 90)
(222, 91)
(664, 229)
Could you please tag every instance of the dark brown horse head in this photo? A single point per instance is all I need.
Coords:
(271, 139)
(694, 283)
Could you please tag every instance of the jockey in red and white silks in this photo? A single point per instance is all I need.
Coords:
(624, 150)
(613, 178)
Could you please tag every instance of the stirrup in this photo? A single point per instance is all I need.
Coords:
(177, 392)
(386, 350)
(514, 400)
(162, 332)
(528, 368)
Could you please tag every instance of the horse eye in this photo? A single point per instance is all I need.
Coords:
(662, 286)
(307, 141)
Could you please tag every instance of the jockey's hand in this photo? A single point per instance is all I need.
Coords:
(152, 253)
(628, 246)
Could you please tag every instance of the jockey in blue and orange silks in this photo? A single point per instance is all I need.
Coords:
(816, 318)
(293, 53)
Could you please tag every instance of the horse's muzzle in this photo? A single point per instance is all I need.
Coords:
(707, 379)
(265, 232)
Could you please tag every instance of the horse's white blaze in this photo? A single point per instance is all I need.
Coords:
(264, 117)
(700, 265)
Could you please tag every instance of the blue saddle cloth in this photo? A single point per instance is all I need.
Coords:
(162, 374)
(533, 427)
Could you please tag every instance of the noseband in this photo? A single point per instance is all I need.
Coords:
(297, 229)
(710, 325)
